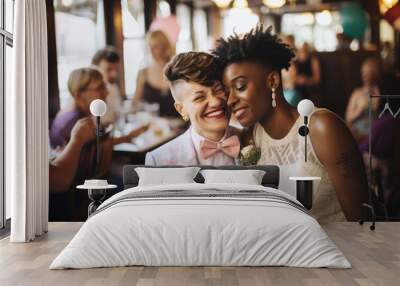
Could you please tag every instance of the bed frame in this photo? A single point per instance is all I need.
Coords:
(271, 177)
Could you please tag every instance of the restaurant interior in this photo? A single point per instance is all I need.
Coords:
(199, 142)
(339, 42)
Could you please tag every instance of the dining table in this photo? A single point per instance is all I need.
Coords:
(160, 131)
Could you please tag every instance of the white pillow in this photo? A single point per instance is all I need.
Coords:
(164, 176)
(247, 177)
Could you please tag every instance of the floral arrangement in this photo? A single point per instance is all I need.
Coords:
(249, 155)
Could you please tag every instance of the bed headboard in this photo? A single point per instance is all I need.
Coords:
(271, 177)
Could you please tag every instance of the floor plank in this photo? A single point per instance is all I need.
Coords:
(374, 255)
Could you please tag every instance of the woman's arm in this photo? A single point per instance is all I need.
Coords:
(62, 169)
(338, 152)
(353, 109)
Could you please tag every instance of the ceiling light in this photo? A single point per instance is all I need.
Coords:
(274, 3)
(385, 5)
(165, 9)
(67, 3)
(324, 18)
(240, 18)
(222, 3)
(240, 4)
(304, 19)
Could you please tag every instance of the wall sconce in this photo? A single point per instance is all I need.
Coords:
(305, 108)
(98, 108)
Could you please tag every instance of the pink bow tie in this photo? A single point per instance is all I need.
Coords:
(230, 146)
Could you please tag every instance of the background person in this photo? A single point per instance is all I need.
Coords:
(151, 86)
(357, 111)
(72, 166)
(85, 85)
(107, 61)
(288, 76)
(385, 158)
(306, 73)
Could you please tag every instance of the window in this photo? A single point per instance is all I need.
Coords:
(318, 29)
(80, 32)
(203, 41)
(239, 20)
(134, 42)
(184, 43)
(6, 43)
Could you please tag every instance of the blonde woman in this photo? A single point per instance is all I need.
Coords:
(357, 112)
(85, 85)
(151, 86)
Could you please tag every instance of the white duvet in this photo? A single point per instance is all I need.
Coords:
(203, 231)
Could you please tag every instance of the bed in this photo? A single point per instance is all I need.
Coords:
(201, 224)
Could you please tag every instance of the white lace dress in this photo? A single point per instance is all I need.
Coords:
(288, 154)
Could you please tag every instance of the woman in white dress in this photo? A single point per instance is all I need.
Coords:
(252, 73)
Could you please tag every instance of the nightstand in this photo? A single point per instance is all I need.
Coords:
(304, 190)
(96, 194)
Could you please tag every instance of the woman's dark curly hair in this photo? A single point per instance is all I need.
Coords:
(258, 45)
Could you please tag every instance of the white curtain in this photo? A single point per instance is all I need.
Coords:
(27, 123)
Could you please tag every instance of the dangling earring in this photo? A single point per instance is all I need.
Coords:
(273, 97)
(185, 118)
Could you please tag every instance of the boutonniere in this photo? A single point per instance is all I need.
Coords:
(249, 155)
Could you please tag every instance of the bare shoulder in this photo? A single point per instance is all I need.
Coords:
(330, 135)
(324, 121)
(358, 92)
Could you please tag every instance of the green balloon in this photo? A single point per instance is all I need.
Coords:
(354, 20)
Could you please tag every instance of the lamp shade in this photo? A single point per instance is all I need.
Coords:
(98, 107)
(305, 107)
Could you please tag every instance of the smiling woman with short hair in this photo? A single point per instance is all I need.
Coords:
(195, 82)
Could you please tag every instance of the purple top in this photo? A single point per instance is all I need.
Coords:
(60, 130)
(383, 131)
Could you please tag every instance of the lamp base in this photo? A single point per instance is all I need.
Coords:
(304, 192)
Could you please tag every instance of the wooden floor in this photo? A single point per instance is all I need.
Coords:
(375, 257)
